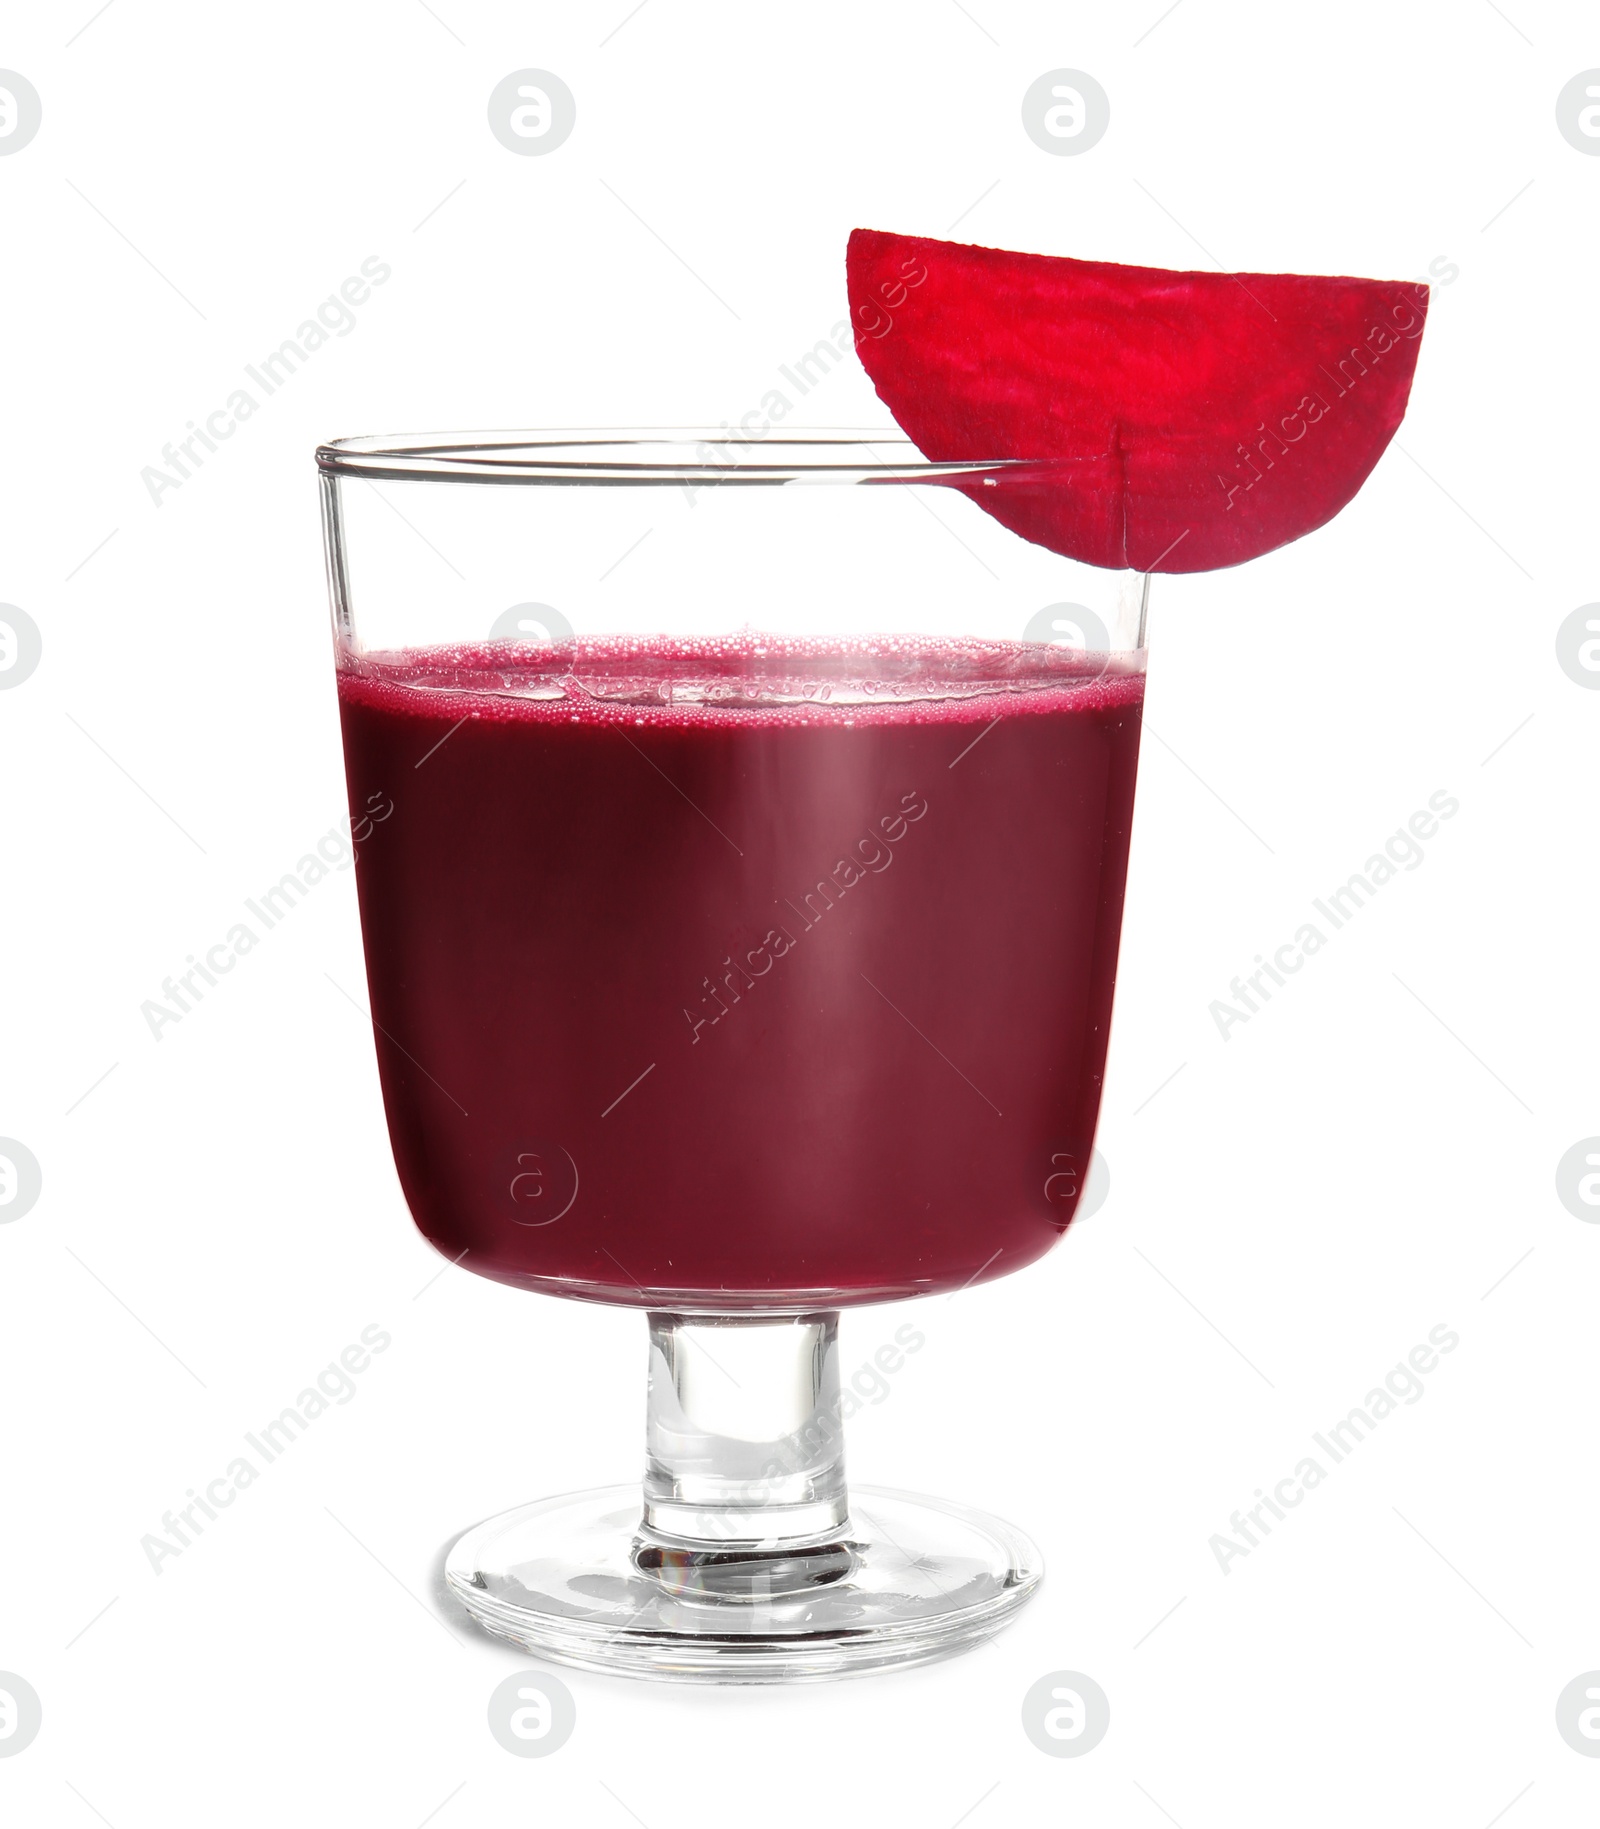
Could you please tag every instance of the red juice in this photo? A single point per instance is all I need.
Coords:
(719, 976)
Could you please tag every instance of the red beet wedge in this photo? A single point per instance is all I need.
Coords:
(1180, 421)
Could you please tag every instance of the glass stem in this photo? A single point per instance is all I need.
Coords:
(744, 1447)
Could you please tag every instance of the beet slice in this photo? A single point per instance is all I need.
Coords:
(1176, 422)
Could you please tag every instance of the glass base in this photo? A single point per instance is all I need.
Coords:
(581, 1580)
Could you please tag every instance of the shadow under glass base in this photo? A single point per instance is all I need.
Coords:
(579, 1580)
(744, 1558)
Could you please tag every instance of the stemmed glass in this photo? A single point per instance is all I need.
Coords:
(742, 834)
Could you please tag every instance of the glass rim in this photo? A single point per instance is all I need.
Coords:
(658, 455)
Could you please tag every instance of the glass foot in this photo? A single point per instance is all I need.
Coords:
(904, 1580)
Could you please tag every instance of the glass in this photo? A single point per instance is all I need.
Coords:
(741, 836)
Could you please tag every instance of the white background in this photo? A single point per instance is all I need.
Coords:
(1369, 1156)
